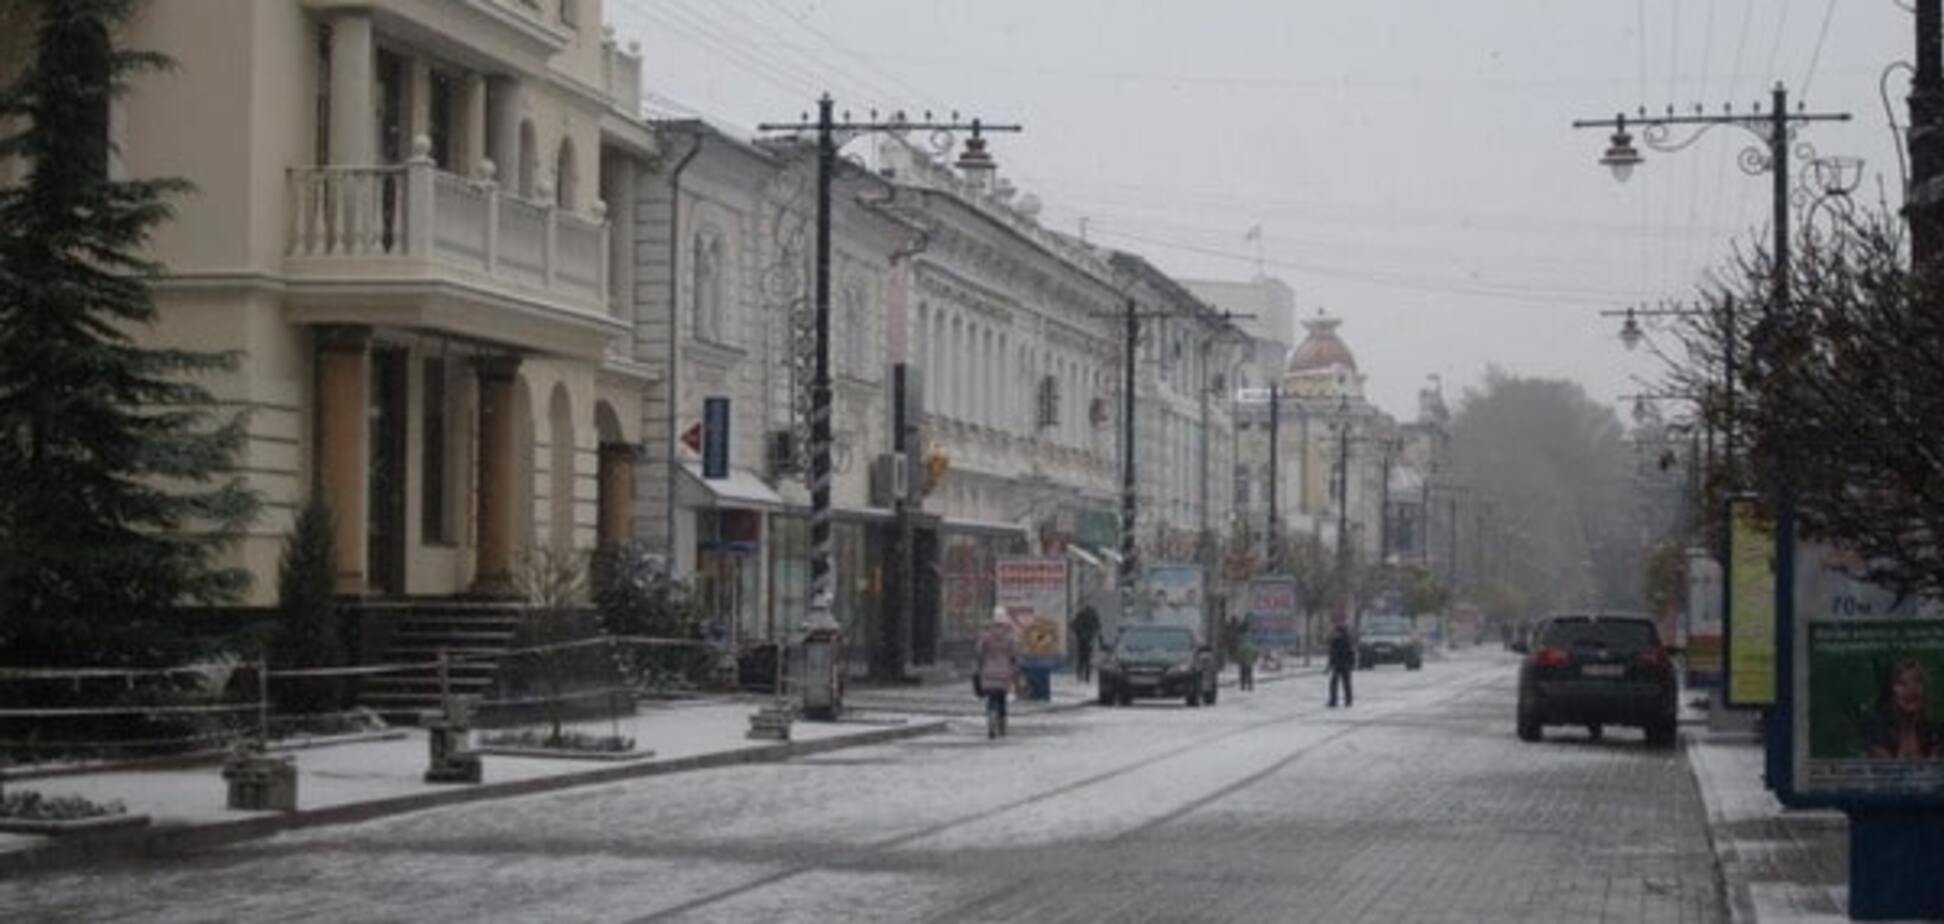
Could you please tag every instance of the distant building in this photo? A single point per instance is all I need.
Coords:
(1340, 458)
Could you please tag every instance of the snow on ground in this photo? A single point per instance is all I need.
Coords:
(891, 832)
(371, 770)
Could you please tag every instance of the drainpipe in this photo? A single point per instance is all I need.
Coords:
(675, 321)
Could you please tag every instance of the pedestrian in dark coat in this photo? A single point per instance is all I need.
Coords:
(1084, 629)
(1343, 661)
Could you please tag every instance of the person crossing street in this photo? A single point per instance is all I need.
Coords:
(1084, 629)
(1343, 663)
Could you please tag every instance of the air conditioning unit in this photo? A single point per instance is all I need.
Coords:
(890, 479)
(783, 454)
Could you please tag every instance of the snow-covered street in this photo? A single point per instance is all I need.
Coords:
(1418, 804)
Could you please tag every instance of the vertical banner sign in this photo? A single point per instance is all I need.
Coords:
(1033, 592)
(1703, 626)
(1271, 607)
(1751, 643)
(1869, 684)
(715, 438)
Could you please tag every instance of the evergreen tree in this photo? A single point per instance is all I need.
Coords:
(307, 618)
(119, 484)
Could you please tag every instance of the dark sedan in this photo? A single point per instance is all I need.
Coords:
(1597, 670)
(1163, 661)
(1389, 640)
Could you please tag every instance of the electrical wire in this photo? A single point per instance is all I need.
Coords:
(1815, 57)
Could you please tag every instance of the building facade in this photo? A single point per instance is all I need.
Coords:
(722, 306)
(400, 227)
(1009, 326)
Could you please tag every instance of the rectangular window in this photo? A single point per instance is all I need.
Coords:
(323, 133)
(442, 108)
(434, 523)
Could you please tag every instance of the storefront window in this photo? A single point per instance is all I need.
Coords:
(728, 564)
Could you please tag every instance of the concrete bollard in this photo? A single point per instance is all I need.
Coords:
(450, 759)
(260, 783)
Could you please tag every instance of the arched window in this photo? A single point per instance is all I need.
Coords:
(529, 160)
(924, 350)
(856, 330)
(955, 377)
(566, 176)
(705, 285)
(1002, 362)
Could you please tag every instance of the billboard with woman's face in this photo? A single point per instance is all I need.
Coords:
(1870, 691)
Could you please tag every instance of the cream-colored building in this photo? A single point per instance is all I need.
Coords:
(401, 229)
(1335, 450)
(1010, 325)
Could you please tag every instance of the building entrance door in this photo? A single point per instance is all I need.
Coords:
(385, 524)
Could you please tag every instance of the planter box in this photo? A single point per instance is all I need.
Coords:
(96, 825)
(562, 753)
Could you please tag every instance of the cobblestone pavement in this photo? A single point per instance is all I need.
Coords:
(1417, 805)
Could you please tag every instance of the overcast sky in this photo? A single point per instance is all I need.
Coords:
(1410, 162)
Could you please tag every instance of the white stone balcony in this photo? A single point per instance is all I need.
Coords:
(432, 244)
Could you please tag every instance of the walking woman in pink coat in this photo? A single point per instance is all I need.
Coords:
(998, 666)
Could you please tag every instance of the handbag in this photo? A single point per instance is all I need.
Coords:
(978, 684)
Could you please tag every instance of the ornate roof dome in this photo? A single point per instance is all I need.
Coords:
(1322, 349)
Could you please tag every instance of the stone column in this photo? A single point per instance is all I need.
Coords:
(473, 148)
(353, 130)
(615, 516)
(499, 476)
(418, 100)
(342, 450)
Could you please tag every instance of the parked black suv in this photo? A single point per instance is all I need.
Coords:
(1389, 640)
(1157, 661)
(1594, 671)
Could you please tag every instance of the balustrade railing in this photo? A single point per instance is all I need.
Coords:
(418, 214)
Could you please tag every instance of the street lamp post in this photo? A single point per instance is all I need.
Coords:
(1774, 128)
(820, 617)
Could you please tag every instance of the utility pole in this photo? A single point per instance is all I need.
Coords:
(1130, 569)
(1383, 514)
(820, 619)
(1924, 199)
(1272, 544)
(1130, 317)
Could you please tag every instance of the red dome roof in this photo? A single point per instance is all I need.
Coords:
(1322, 349)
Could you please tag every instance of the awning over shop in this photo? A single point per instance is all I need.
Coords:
(983, 526)
(1085, 556)
(742, 490)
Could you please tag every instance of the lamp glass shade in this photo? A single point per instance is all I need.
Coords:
(1621, 156)
(1631, 334)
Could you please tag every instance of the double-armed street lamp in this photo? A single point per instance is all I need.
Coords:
(832, 135)
(1775, 130)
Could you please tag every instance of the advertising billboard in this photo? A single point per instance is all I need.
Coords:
(1033, 592)
(1174, 596)
(1751, 618)
(1869, 684)
(1701, 634)
(1274, 622)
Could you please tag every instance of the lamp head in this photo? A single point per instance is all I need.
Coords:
(1621, 156)
(1630, 332)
